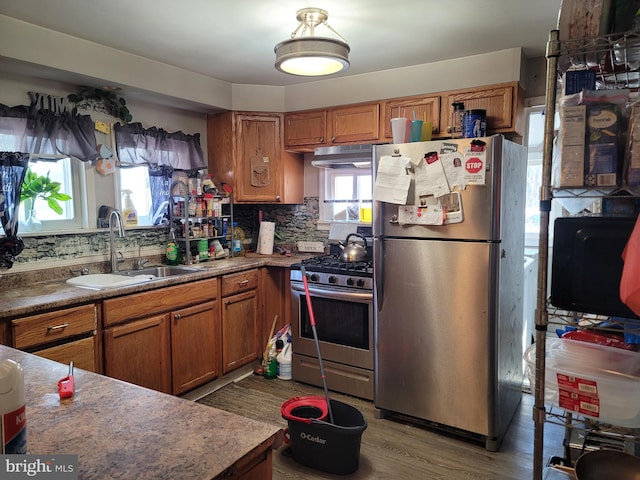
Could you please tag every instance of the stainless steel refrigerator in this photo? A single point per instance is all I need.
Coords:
(448, 298)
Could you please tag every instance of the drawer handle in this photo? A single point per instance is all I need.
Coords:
(177, 316)
(62, 326)
(243, 282)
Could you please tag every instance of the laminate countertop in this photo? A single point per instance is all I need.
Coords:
(19, 300)
(120, 430)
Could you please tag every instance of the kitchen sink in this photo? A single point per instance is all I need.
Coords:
(160, 271)
(124, 278)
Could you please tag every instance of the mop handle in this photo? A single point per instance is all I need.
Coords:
(312, 318)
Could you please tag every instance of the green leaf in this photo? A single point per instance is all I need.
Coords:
(54, 205)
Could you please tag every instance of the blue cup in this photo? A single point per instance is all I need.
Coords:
(416, 131)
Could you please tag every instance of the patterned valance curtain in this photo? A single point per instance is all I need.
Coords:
(46, 127)
(13, 166)
(155, 146)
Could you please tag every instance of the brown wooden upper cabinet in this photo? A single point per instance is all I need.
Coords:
(305, 128)
(334, 126)
(246, 151)
(424, 107)
(504, 104)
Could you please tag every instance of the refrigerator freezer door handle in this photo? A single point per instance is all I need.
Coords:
(378, 272)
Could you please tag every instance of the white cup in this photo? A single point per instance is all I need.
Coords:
(399, 129)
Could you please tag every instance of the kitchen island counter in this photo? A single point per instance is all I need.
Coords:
(120, 430)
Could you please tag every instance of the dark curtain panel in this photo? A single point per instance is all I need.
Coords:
(160, 183)
(46, 127)
(155, 146)
(13, 167)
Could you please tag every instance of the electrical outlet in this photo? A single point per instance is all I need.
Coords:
(102, 127)
(313, 247)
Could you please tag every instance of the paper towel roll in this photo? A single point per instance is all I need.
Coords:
(265, 238)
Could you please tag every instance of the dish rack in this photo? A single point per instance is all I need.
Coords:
(615, 58)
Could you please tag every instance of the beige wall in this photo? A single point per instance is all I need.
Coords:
(49, 54)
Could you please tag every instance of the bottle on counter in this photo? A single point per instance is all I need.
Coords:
(13, 427)
(172, 252)
(238, 240)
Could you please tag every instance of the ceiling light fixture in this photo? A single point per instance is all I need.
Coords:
(310, 55)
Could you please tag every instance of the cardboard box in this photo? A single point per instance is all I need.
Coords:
(572, 147)
(601, 162)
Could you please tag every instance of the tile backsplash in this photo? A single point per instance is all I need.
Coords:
(293, 223)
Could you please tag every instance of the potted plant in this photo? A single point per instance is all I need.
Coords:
(36, 186)
(101, 100)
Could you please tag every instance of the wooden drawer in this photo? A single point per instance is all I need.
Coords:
(82, 352)
(239, 282)
(53, 326)
(128, 307)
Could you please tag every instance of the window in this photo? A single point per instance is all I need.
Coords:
(535, 144)
(135, 181)
(71, 175)
(346, 195)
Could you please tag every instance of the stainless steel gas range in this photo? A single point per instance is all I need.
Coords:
(342, 302)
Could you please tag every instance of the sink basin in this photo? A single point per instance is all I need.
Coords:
(124, 278)
(160, 271)
(99, 281)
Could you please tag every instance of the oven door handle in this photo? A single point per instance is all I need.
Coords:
(353, 296)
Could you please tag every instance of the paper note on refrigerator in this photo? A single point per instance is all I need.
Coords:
(430, 177)
(453, 169)
(393, 180)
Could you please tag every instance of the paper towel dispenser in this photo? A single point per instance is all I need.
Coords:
(343, 156)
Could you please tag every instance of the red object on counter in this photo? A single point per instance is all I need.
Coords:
(600, 338)
(66, 385)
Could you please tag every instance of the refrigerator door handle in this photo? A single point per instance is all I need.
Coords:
(378, 271)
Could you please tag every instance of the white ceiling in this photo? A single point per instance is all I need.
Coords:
(233, 40)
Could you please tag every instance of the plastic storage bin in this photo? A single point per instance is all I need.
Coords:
(599, 382)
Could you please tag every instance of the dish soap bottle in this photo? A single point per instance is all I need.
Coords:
(129, 211)
(172, 252)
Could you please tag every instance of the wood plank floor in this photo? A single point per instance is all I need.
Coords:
(391, 448)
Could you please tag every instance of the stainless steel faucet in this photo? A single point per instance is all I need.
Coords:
(112, 244)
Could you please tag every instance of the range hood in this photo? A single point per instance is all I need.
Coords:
(343, 156)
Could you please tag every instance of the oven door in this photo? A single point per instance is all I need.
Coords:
(344, 324)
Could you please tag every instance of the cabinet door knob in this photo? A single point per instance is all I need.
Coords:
(177, 316)
(321, 139)
(333, 139)
(277, 198)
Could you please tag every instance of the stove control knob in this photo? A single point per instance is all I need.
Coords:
(314, 277)
(350, 282)
(360, 283)
(333, 280)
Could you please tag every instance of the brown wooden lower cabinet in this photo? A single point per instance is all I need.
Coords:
(82, 352)
(139, 352)
(166, 339)
(239, 330)
(195, 346)
(63, 335)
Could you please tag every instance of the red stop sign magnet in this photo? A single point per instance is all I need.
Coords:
(473, 165)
